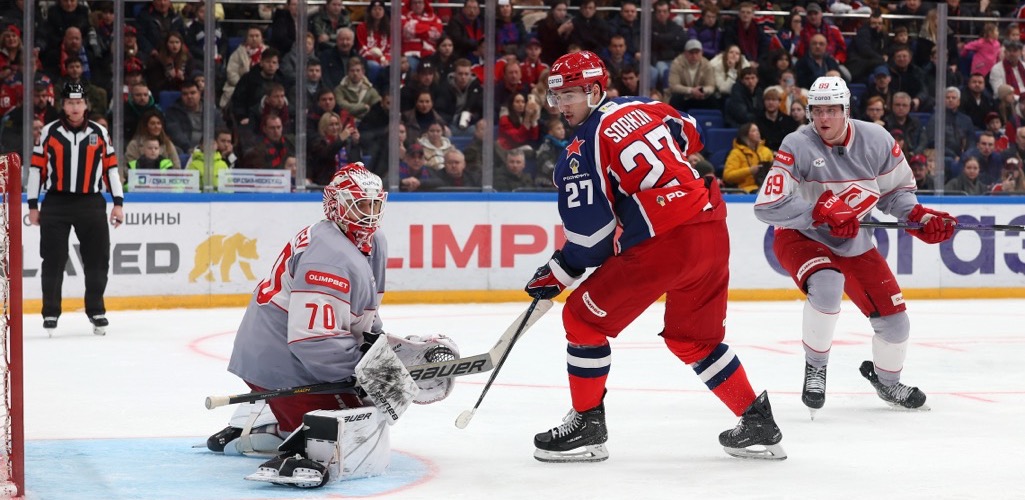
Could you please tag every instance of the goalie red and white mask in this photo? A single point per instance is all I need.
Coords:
(354, 199)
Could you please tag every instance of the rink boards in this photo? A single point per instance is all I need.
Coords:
(212, 250)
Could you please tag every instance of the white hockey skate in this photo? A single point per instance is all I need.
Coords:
(756, 435)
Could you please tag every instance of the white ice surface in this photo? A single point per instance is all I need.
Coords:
(147, 379)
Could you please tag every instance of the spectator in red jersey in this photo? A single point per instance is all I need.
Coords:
(373, 38)
(421, 31)
(816, 25)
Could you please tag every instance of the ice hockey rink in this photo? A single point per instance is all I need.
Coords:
(117, 417)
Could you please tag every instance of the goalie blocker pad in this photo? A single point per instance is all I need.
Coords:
(348, 444)
(416, 350)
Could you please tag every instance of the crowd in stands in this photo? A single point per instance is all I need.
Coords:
(723, 59)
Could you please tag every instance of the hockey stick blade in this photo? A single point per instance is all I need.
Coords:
(964, 226)
(471, 365)
(536, 309)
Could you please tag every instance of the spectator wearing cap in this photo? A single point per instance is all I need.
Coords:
(976, 102)
(10, 49)
(532, 66)
(62, 15)
(155, 22)
(466, 29)
(691, 79)
(509, 29)
(995, 124)
(426, 78)
(868, 47)
(817, 25)
(990, 161)
(373, 37)
(920, 168)
(335, 60)
(590, 32)
(414, 175)
(1011, 178)
(880, 88)
(1009, 71)
(745, 33)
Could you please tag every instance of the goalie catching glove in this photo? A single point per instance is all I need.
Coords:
(841, 218)
(937, 226)
(552, 278)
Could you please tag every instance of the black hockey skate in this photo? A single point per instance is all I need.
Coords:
(899, 396)
(758, 429)
(217, 442)
(100, 323)
(292, 469)
(50, 324)
(580, 438)
(814, 394)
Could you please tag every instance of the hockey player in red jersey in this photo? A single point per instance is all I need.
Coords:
(823, 180)
(626, 166)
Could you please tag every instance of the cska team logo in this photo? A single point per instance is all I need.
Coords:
(574, 147)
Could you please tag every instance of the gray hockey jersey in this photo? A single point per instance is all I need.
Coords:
(305, 321)
(868, 171)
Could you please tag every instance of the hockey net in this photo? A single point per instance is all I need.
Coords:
(12, 474)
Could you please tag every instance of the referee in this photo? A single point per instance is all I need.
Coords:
(73, 160)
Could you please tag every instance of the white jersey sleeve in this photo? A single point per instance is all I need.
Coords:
(779, 202)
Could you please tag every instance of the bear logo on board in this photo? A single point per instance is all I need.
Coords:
(223, 252)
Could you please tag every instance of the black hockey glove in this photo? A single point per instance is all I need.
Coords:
(552, 278)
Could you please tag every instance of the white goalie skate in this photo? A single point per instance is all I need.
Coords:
(292, 470)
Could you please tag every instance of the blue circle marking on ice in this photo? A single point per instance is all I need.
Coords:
(170, 468)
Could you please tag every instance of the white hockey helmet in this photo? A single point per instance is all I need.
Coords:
(354, 199)
(827, 91)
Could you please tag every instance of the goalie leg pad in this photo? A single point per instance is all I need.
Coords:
(416, 350)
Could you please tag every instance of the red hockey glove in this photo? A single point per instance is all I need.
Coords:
(937, 226)
(841, 218)
(552, 278)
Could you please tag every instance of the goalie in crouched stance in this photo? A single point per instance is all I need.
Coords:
(315, 319)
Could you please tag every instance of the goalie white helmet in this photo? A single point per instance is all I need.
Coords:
(828, 91)
(354, 199)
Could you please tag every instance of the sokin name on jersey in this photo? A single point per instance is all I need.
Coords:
(624, 125)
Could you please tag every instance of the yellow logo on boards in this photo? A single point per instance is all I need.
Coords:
(223, 252)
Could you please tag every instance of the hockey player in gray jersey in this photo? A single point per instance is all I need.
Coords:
(309, 322)
(823, 180)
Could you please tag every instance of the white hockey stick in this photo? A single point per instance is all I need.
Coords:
(512, 333)
(441, 369)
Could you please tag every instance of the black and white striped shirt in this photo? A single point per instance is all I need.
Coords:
(74, 160)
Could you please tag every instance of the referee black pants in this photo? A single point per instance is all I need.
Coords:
(87, 214)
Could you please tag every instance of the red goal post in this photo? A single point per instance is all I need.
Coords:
(12, 428)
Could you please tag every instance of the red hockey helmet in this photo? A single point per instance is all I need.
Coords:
(577, 70)
(354, 199)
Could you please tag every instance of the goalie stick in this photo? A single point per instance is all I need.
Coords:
(441, 369)
(960, 225)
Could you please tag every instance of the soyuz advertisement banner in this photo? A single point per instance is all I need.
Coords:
(205, 244)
